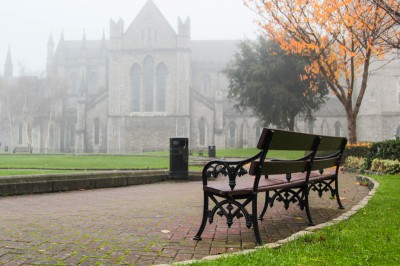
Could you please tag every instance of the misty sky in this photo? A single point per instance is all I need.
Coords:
(27, 24)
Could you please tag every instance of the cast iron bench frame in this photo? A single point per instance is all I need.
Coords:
(289, 181)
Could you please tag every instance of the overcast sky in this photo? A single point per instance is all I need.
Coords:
(26, 25)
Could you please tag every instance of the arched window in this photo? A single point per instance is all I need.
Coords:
(148, 35)
(338, 129)
(257, 130)
(135, 88)
(398, 132)
(93, 86)
(311, 127)
(325, 129)
(232, 135)
(71, 136)
(51, 136)
(207, 85)
(73, 84)
(148, 78)
(96, 131)
(245, 134)
(398, 91)
(20, 132)
(202, 132)
(161, 87)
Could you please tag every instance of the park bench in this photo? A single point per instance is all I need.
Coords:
(22, 149)
(286, 181)
(197, 150)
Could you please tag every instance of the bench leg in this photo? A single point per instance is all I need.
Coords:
(337, 193)
(254, 220)
(261, 217)
(204, 220)
(307, 206)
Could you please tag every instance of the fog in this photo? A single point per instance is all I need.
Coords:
(26, 25)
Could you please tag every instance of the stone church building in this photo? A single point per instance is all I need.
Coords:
(146, 83)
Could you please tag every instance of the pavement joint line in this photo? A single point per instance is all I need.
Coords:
(309, 230)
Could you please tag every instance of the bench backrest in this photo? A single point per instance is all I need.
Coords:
(332, 148)
(273, 139)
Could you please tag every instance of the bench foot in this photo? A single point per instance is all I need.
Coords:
(341, 208)
(198, 238)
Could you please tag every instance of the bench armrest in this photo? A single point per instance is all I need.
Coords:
(232, 169)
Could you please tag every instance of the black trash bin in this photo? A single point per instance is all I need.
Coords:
(211, 151)
(178, 158)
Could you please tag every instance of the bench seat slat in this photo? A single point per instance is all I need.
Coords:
(266, 184)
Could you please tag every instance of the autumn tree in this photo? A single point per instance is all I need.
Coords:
(392, 8)
(341, 38)
(263, 78)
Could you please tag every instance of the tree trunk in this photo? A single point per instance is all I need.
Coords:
(351, 127)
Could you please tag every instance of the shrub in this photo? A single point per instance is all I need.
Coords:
(354, 162)
(386, 166)
(356, 150)
(389, 149)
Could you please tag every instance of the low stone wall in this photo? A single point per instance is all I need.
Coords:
(30, 184)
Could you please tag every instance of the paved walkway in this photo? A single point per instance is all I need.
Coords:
(138, 225)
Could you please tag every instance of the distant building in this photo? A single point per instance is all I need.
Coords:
(142, 86)
(146, 83)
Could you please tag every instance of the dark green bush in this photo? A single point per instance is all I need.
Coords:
(357, 150)
(389, 150)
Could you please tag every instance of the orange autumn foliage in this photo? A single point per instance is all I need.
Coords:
(341, 37)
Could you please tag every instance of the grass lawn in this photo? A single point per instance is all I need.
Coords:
(9, 163)
(72, 162)
(371, 237)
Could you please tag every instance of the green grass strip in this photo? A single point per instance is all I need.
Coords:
(370, 237)
(82, 162)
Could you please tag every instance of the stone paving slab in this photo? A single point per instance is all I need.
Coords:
(140, 225)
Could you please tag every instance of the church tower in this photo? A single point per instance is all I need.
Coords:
(50, 54)
(8, 66)
(80, 119)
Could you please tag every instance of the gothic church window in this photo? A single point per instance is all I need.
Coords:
(245, 134)
(51, 137)
(338, 129)
(161, 87)
(148, 35)
(71, 134)
(20, 132)
(398, 91)
(155, 36)
(325, 129)
(148, 81)
(311, 127)
(96, 131)
(257, 130)
(202, 132)
(398, 132)
(135, 87)
(73, 84)
(143, 37)
(93, 86)
(207, 85)
(232, 135)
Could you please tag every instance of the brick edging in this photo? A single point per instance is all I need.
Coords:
(372, 185)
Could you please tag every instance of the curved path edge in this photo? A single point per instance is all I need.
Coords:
(370, 182)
